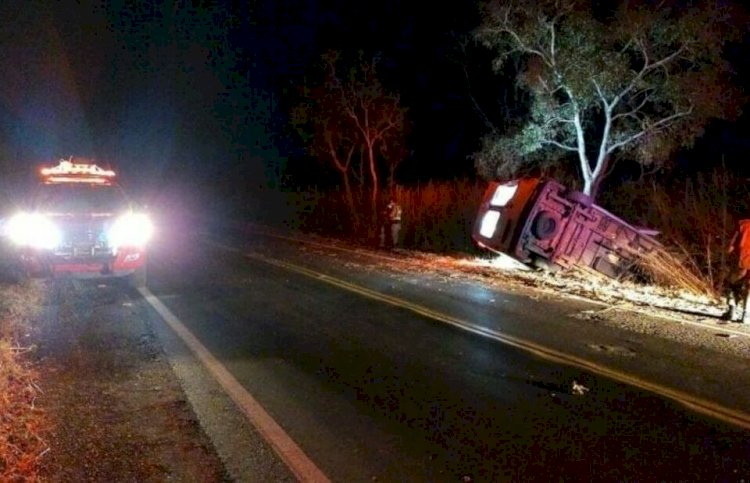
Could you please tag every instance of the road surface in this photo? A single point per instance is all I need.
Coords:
(364, 373)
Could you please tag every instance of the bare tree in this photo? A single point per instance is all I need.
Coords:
(328, 135)
(356, 123)
(633, 82)
(374, 112)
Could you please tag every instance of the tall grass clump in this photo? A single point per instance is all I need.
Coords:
(21, 422)
(695, 217)
(437, 215)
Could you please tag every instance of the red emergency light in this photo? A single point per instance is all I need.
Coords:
(69, 172)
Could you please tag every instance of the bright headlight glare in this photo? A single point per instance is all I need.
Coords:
(504, 193)
(33, 230)
(131, 230)
(489, 223)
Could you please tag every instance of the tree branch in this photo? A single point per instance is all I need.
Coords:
(647, 68)
(560, 145)
(477, 107)
(505, 28)
(633, 111)
(552, 43)
(342, 167)
(599, 91)
(649, 129)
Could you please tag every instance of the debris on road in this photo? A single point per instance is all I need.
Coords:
(578, 389)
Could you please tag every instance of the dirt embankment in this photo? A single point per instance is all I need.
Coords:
(109, 403)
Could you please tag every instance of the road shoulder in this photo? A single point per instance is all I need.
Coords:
(118, 411)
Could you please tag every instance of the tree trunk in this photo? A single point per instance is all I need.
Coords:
(588, 186)
(374, 178)
(593, 188)
(343, 168)
(598, 175)
(350, 202)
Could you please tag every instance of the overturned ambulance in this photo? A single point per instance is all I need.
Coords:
(542, 223)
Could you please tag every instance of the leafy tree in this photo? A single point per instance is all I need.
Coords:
(351, 120)
(632, 81)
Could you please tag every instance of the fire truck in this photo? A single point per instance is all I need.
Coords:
(542, 223)
(81, 223)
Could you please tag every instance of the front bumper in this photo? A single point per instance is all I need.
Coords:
(125, 262)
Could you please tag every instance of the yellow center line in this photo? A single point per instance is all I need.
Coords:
(703, 406)
(671, 318)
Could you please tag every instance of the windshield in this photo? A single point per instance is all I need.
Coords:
(80, 198)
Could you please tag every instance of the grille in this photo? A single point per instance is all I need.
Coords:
(83, 239)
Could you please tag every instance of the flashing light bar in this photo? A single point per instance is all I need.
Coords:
(75, 179)
(67, 170)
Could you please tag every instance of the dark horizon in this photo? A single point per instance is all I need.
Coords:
(169, 93)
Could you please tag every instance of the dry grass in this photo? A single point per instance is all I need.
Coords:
(667, 269)
(695, 217)
(22, 424)
(437, 216)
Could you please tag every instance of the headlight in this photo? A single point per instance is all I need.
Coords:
(504, 193)
(489, 223)
(33, 230)
(131, 230)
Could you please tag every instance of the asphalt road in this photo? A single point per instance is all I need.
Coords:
(408, 376)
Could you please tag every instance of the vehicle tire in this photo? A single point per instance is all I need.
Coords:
(545, 225)
(138, 278)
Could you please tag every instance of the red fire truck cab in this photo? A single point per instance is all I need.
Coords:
(542, 223)
(81, 223)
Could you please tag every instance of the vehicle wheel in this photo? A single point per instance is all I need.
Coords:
(545, 225)
(138, 278)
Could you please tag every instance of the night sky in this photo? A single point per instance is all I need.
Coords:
(174, 91)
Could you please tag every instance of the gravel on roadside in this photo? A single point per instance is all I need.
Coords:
(117, 409)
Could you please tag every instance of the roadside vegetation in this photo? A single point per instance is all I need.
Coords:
(695, 217)
(22, 423)
(438, 216)
(595, 92)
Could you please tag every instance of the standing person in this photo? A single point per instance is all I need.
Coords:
(391, 224)
(739, 279)
(394, 219)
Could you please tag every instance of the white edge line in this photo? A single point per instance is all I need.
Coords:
(297, 461)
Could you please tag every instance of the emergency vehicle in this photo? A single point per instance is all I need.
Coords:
(81, 223)
(542, 223)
